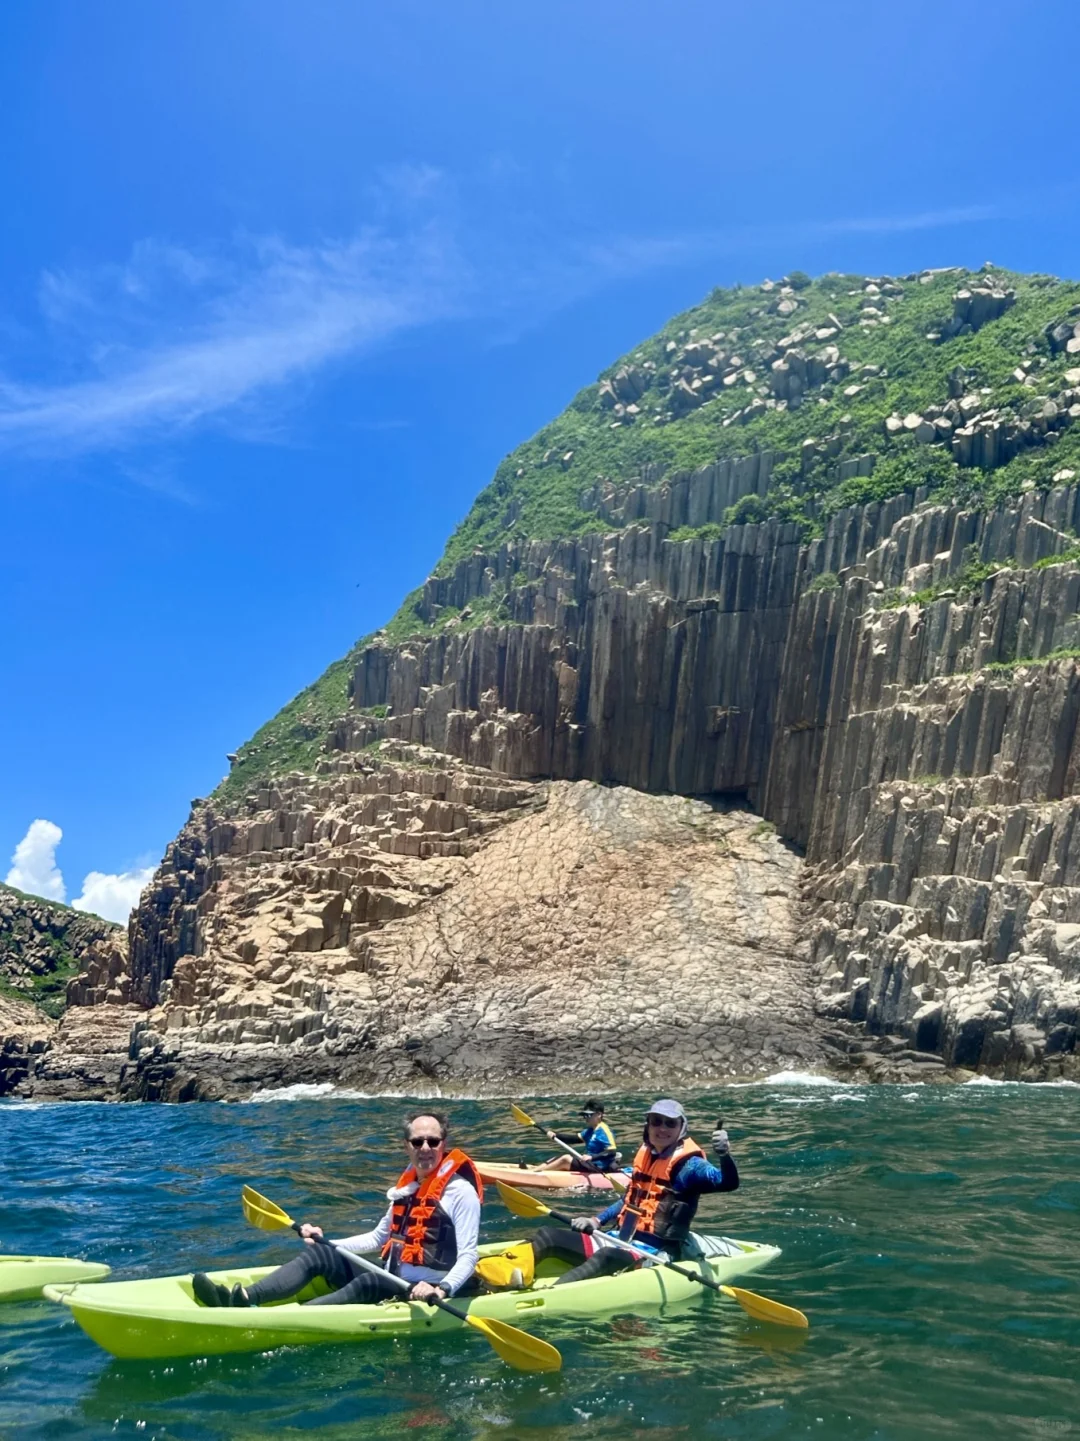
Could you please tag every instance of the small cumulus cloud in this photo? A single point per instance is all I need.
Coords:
(112, 896)
(33, 865)
(34, 870)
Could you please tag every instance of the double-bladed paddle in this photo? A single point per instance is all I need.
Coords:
(516, 1348)
(617, 1179)
(760, 1307)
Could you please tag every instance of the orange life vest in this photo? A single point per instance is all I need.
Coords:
(420, 1233)
(650, 1200)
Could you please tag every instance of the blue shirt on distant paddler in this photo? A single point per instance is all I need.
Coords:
(596, 1139)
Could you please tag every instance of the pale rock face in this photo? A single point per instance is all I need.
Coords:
(611, 933)
(583, 931)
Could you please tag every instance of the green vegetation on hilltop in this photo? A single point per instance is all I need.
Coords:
(537, 489)
(886, 354)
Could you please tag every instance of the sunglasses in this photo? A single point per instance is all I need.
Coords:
(419, 1142)
(666, 1123)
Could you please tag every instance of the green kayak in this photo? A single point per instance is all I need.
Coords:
(160, 1317)
(22, 1278)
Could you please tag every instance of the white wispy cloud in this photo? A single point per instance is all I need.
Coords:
(174, 337)
(896, 224)
(33, 865)
(625, 256)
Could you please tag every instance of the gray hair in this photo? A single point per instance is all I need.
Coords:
(440, 1116)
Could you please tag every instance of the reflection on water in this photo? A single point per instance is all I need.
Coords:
(929, 1233)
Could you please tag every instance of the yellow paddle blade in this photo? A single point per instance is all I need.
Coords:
(517, 1348)
(262, 1212)
(519, 1204)
(762, 1309)
(521, 1116)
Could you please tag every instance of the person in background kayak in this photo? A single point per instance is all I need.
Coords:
(670, 1176)
(596, 1138)
(429, 1235)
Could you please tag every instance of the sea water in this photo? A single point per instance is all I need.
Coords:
(930, 1233)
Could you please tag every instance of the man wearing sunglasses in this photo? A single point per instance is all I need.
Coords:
(428, 1236)
(670, 1176)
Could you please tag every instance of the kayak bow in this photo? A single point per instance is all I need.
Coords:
(22, 1278)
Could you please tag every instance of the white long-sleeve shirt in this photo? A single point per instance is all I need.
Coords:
(462, 1205)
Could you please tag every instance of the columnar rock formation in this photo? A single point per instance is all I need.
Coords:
(404, 920)
(864, 691)
(627, 659)
(541, 761)
(887, 697)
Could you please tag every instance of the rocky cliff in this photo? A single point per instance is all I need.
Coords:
(690, 770)
(404, 920)
(42, 947)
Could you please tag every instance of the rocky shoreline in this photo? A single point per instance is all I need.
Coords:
(572, 934)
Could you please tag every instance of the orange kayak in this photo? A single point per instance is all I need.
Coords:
(545, 1180)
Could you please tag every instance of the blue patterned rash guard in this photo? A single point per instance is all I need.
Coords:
(696, 1177)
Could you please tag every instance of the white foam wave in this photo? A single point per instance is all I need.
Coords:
(1023, 1085)
(801, 1078)
(326, 1090)
(300, 1091)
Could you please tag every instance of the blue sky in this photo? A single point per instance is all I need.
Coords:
(282, 280)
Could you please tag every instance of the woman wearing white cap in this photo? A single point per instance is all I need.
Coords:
(670, 1176)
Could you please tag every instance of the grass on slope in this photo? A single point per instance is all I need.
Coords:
(537, 490)
(295, 738)
(47, 991)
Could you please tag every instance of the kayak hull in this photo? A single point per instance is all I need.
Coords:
(491, 1171)
(22, 1278)
(160, 1318)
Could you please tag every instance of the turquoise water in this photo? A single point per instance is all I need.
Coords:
(930, 1233)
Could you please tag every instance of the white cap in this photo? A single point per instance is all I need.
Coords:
(671, 1109)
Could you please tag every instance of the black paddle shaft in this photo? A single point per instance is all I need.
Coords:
(442, 1304)
(691, 1275)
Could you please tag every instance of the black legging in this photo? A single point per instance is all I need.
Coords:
(568, 1245)
(348, 1287)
